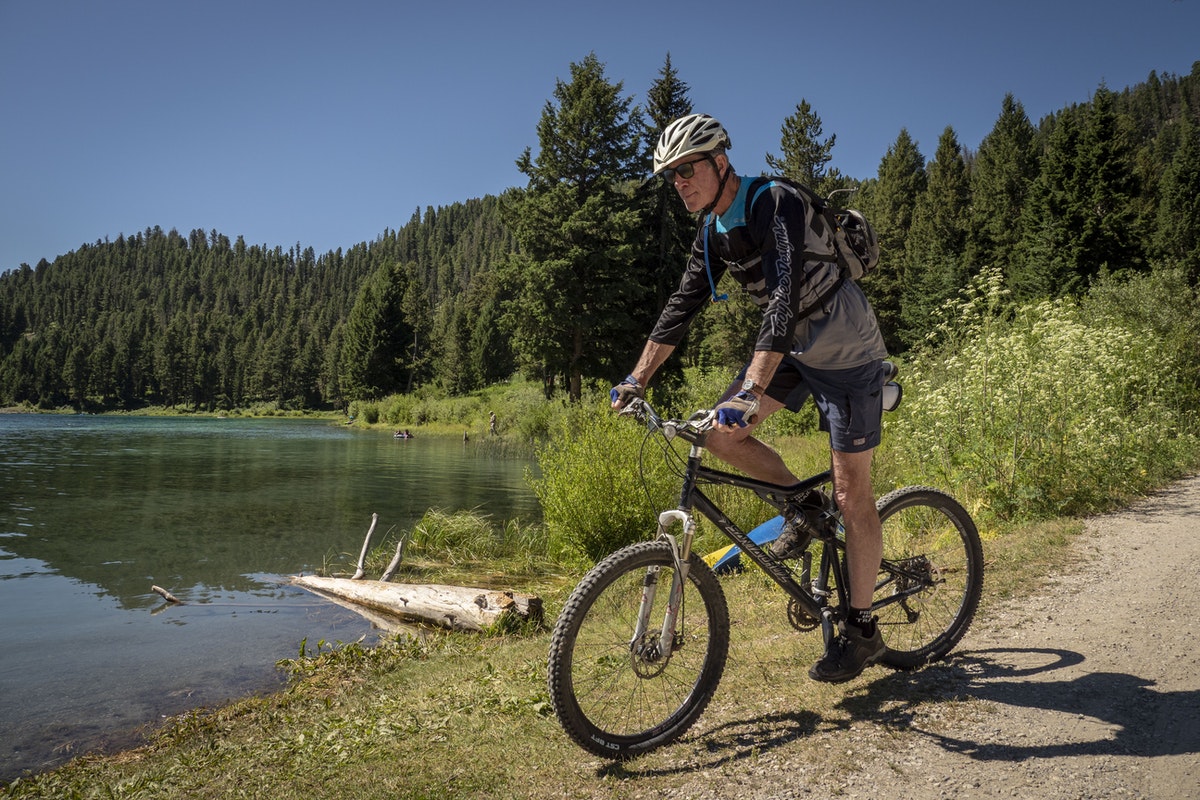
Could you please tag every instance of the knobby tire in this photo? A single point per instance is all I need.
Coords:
(609, 700)
(932, 556)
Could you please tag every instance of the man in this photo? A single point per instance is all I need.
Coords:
(818, 337)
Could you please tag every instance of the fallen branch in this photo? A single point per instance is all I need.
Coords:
(391, 568)
(170, 598)
(362, 557)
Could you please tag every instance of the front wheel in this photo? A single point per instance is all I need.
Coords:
(931, 577)
(614, 695)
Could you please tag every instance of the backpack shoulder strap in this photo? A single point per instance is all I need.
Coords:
(821, 211)
(756, 188)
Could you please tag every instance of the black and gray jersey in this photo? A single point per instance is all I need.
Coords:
(786, 263)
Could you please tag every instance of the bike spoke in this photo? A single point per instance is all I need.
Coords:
(931, 577)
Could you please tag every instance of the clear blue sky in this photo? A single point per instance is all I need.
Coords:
(324, 123)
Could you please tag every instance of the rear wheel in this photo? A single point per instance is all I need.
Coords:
(617, 696)
(931, 578)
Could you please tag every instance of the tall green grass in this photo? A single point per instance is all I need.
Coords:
(603, 481)
(594, 499)
(469, 547)
(524, 416)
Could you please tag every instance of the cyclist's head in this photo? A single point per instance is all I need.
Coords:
(693, 134)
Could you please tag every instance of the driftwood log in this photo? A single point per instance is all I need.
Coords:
(460, 608)
(165, 595)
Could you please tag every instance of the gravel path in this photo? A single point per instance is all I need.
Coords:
(1089, 689)
(1092, 688)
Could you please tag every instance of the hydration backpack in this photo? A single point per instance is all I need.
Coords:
(855, 245)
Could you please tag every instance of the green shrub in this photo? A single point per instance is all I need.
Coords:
(366, 411)
(603, 481)
(1039, 412)
(1160, 305)
(591, 490)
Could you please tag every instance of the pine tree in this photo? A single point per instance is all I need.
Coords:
(1043, 263)
(577, 310)
(489, 355)
(934, 250)
(1177, 238)
(804, 153)
(669, 223)
(374, 352)
(1003, 169)
(1110, 239)
(889, 204)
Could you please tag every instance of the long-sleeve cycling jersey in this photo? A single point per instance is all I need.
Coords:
(787, 268)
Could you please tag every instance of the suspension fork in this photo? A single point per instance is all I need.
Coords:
(681, 548)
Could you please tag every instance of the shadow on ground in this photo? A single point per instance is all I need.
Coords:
(1125, 714)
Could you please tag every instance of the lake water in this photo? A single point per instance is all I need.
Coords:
(94, 511)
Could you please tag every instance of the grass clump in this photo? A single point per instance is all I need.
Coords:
(466, 547)
(523, 414)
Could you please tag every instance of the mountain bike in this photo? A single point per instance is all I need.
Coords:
(641, 643)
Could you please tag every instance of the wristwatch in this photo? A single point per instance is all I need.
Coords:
(749, 385)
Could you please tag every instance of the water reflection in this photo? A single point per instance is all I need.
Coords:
(96, 510)
(123, 503)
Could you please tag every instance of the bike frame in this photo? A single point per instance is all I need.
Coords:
(692, 499)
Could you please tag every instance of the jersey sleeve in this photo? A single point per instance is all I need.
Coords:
(687, 300)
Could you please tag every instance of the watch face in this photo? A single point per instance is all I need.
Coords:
(747, 385)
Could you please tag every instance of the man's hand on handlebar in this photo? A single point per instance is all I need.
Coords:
(738, 411)
(625, 391)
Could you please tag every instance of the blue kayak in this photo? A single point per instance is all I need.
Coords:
(729, 558)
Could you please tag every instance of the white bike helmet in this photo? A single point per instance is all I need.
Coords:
(695, 133)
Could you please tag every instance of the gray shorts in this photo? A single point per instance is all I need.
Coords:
(850, 401)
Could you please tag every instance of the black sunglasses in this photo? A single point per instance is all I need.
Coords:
(685, 170)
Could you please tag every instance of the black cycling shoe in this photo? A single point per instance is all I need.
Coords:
(802, 520)
(848, 655)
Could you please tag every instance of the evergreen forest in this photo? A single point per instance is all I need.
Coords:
(559, 280)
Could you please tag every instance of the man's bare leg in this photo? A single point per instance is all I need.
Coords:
(739, 449)
(864, 534)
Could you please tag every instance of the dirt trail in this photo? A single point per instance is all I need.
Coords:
(1089, 689)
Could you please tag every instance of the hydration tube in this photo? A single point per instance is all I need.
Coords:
(716, 298)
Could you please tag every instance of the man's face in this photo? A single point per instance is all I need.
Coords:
(701, 188)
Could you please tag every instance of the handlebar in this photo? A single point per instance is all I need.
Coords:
(691, 429)
(701, 422)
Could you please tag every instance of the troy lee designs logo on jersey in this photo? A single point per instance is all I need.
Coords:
(779, 312)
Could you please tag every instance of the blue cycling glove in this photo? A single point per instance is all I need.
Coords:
(625, 391)
(738, 410)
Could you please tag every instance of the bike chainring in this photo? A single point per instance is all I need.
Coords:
(800, 619)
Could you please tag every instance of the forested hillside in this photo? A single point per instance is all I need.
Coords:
(561, 278)
(159, 318)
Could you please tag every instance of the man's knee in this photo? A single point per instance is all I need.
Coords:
(726, 441)
(852, 478)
